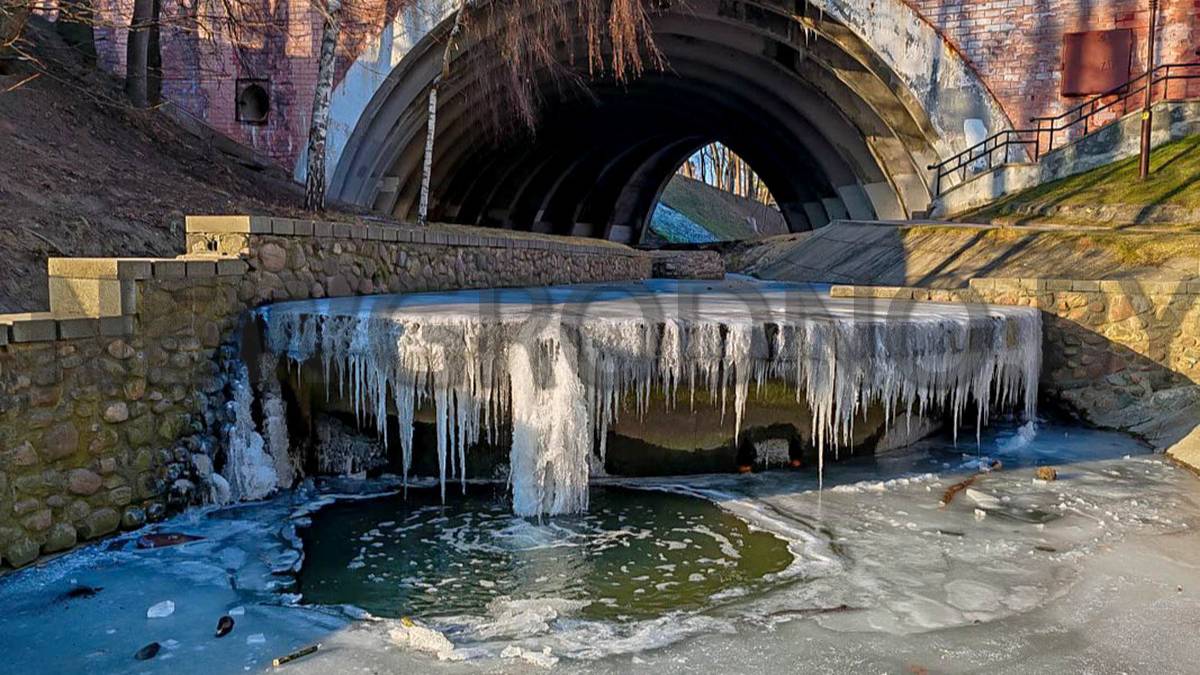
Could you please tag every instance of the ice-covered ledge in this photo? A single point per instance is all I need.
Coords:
(559, 364)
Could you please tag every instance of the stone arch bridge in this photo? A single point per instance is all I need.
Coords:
(838, 105)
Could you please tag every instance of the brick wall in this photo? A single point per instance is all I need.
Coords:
(1016, 45)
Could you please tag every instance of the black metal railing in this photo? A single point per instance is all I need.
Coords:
(1108, 107)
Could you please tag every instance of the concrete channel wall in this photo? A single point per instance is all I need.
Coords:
(1124, 354)
(110, 401)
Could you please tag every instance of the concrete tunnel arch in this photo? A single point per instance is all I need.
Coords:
(832, 128)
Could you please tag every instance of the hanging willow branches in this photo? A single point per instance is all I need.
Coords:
(516, 51)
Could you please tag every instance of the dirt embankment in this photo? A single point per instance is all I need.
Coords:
(82, 174)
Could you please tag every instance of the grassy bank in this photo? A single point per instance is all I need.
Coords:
(1114, 195)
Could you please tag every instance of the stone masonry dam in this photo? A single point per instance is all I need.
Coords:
(548, 372)
(117, 401)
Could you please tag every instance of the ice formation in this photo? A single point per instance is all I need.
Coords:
(560, 363)
(250, 471)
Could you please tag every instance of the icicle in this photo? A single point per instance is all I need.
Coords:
(561, 379)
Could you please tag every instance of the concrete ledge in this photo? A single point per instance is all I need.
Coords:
(44, 327)
(101, 268)
(228, 224)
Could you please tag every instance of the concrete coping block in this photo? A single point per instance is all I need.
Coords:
(1032, 284)
(228, 224)
(1058, 284)
(31, 326)
(1115, 286)
(374, 233)
(283, 226)
(1085, 286)
(391, 234)
(75, 329)
(4, 337)
(303, 228)
(1006, 284)
(232, 267)
(101, 268)
(1166, 287)
(341, 230)
(197, 269)
(842, 291)
(170, 269)
(1194, 287)
(358, 231)
(322, 229)
(116, 326)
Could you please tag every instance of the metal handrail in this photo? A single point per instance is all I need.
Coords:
(1082, 113)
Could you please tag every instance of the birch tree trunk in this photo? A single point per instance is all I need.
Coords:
(318, 130)
(431, 122)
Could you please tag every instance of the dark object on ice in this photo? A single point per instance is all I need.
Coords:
(148, 652)
(1045, 549)
(163, 539)
(298, 654)
(953, 490)
(812, 611)
(80, 593)
(224, 626)
(1046, 473)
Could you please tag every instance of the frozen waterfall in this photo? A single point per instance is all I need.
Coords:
(559, 363)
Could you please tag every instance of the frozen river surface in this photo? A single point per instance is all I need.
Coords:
(1098, 571)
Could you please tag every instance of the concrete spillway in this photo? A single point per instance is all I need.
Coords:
(556, 367)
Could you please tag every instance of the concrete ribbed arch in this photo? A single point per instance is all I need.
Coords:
(819, 115)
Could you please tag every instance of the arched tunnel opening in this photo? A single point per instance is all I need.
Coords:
(807, 104)
(714, 195)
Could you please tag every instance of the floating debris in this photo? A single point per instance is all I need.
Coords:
(298, 654)
(952, 491)
(162, 539)
(148, 652)
(1046, 473)
(224, 626)
(80, 592)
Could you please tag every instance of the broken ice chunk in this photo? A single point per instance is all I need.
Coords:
(161, 610)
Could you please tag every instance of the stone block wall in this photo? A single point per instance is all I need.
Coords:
(688, 265)
(99, 417)
(293, 259)
(105, 421)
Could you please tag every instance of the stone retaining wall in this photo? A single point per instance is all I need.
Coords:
(1124, 354)
(110, 402)
(670, 264)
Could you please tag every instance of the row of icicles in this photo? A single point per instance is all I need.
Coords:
(559, 386)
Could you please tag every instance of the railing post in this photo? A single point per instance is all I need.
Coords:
(1147, 111)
